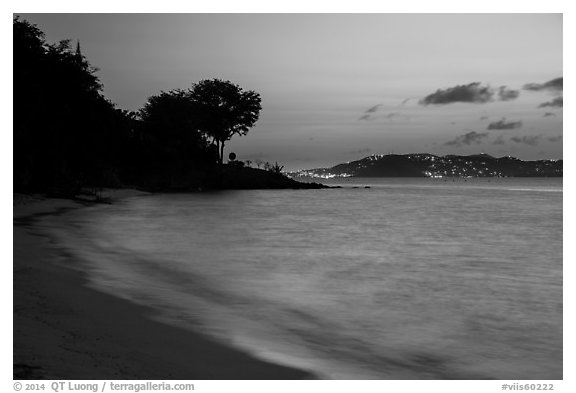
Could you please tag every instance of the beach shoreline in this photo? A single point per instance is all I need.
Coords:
(64, 329)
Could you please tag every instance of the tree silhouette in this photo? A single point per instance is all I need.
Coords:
(69, 138)
(171, 131)
(276, 168)
(66, 134)
(224, 109)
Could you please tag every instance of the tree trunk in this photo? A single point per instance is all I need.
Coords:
(222, 153)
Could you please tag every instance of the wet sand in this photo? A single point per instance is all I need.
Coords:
(65, 330)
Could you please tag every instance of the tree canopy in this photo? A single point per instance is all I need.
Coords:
(212, 110)
(224, 109)
(61, 119)
(170, 121)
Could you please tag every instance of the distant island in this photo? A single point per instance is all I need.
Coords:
(429, 165)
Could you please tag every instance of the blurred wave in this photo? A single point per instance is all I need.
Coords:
(409, 279)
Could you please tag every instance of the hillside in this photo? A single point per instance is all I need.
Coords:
(429, 165)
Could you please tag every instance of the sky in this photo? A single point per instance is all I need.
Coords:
(340, 87)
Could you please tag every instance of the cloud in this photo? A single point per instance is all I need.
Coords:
(391, 115)
(373, 109)
(556, 138)
(504, 125)
(369, 111)
(557, 102)
(467, 139)
(548, 114)
(499, 140)
(507, 94)
(529, 140)
(405, 101)
(483, 117)
(552, 85)
(470, 93)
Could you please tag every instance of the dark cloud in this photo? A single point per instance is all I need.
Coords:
(528, 140)
(548, 114)
(556, 138)
(499, 140)
(373, 109)
(555, 86)
(369, 111)
(483, 117)
(369, 114)
(557, 102)
(552, 85)
(506, 94)
(467, 139)
(471, 93)
(504, 125)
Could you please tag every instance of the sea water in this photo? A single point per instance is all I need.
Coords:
(407, 279)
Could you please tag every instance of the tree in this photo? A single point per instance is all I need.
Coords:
(64, 129)
(224, 109)
(276, 168)
(171, 122)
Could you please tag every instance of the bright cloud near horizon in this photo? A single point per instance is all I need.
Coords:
(338, 87)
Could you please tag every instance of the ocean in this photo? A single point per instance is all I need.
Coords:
(407, 279)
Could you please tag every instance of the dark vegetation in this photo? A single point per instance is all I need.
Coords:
(69, 137)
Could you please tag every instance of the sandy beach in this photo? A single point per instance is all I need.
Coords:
(65, 330)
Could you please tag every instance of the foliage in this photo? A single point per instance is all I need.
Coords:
(276, 168)
(170, 125)
(224, 110)
(62, 123)
(210, 110)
